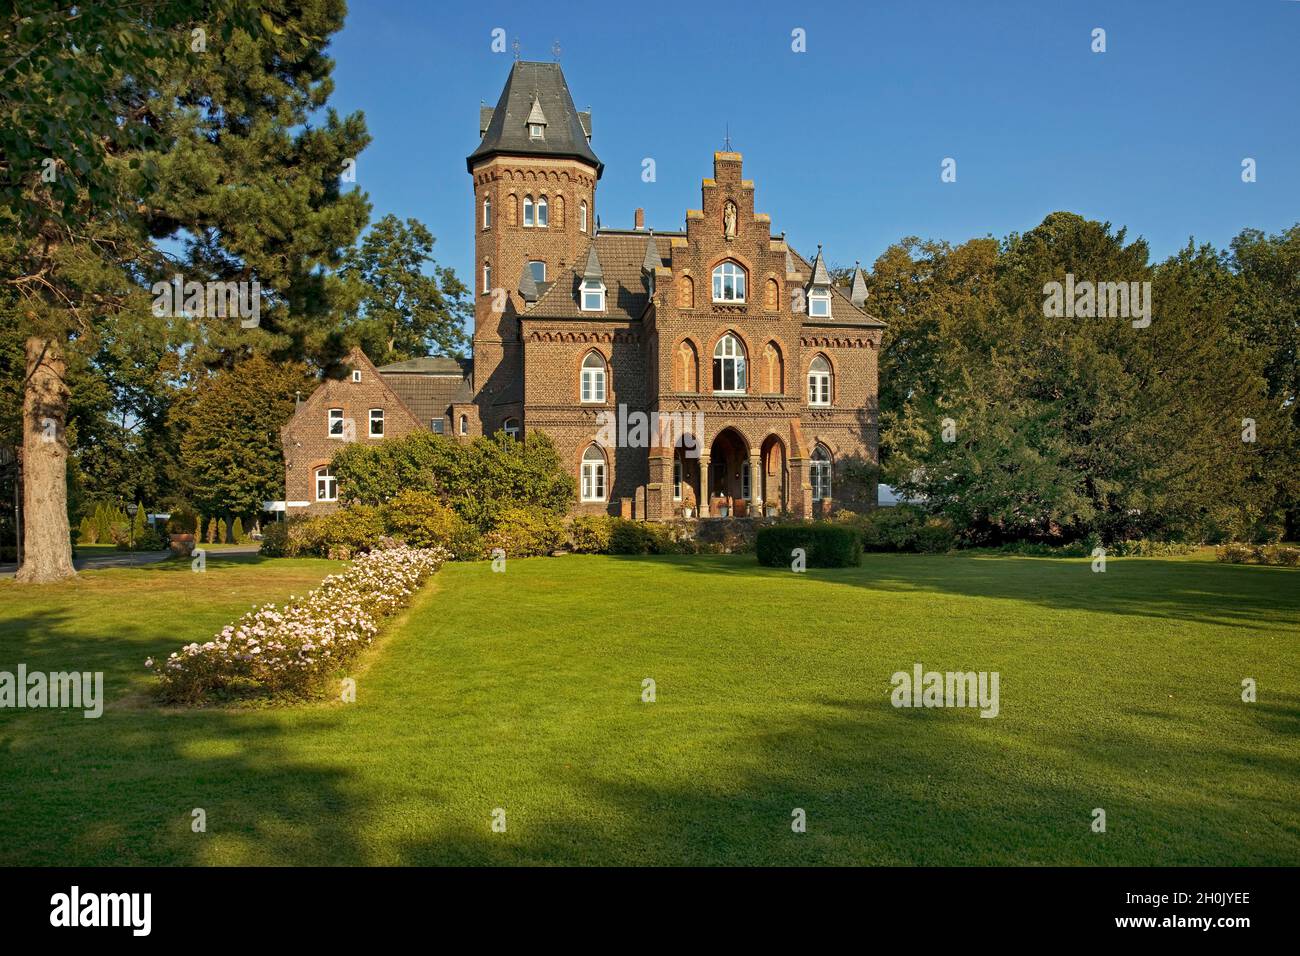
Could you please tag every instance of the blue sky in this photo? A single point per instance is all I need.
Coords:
(844, 141)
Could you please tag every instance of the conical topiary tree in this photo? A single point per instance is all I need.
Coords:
(237, 531)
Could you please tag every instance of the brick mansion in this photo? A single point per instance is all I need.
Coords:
(719, 324)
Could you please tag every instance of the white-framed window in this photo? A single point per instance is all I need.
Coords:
(327, 486)
(536, 130)
(464, 424)
(436, 425)
(511, 428)
(677, 479)
(820, 474)
(528, 210)
(593, 378)
(728, 365)
(819, 381)
(376, 423)
(593, 296)
(487, 277)
(593, 474)
(744, 480)
(356, 375)
(487, 212)
(819, 305)
(582, 216)
(728, 282)
(538, 268)
(542, 220)
(335, 423)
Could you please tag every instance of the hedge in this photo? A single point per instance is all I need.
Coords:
(825, 545)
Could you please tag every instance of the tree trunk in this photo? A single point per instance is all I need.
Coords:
(47, 545)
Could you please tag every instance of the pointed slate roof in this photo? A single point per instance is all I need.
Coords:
(820, 276)
(592, 269)
(858, 293)
(536, 88)
(651, 260)
(535, 115)
(528, 285)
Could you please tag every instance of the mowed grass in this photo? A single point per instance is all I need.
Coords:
(523, 691)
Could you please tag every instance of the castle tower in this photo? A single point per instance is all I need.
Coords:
(534, 177)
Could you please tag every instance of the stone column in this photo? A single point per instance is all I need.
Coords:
(704, 485)
(755, 484)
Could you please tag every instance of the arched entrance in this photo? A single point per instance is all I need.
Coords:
(728, 478)
(774, 478)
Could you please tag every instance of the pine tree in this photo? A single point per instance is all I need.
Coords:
(237, 531)
(221, 532)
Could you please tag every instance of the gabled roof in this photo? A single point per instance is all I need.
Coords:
(621, 259)
(428, 385)
(431, 365)
(532, 89)
(842, 308)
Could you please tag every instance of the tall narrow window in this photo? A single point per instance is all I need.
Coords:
(820, 474)
(327, 486)
(744, 480)
(728, 365)
(819, 381)
(487, 212)
(593, 378)
(487, 277)
(376, 423)
(336, 423)
(538, 269)
(728, 283)
(511, 428)
(528, 210)
(677, 479)
(582, 216)
(464, 424)
(542, 215)
(593, 474)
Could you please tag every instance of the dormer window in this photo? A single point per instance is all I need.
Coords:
(593, 296)
(819, 304)
(356, 375)
(535, 130)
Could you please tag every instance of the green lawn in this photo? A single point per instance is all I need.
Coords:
(522, 690)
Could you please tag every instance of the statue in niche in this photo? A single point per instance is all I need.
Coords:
(729, 220)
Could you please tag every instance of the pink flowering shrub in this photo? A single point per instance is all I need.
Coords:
(291, 650)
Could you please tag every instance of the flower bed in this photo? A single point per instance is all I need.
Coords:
(291, 650)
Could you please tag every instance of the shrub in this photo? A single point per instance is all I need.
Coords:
(237, 532)
(524, 532)
(826, 545)
(936, 536)
(87, 533)
(148, 540)
(422, 521)
(895, 529)
(342, 533)
(1282, 555)
(1147, 548)
(182, 521)
(590, 534)
(275, 540)
(629, 537)
(292, 650)
(222, 535)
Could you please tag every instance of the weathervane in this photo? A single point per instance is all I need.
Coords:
(555, 50)
(726, 140)
(515, 45)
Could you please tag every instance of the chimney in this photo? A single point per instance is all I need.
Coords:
(640, 218)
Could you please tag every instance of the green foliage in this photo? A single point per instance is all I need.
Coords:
(477, 479)
(275, 540)
(590, 534)
(137, 523)
(87, 533)
(222, 535)
(1276, 554)
(230, 434)
(524, 532)
(421, 520)
(644, 537)
(825, 545)
(401, 311)
(1065, 427)
(237, 532)
(183, 521)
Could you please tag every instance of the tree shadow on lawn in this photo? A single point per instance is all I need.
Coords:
(891, 787)
(1243, 596)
